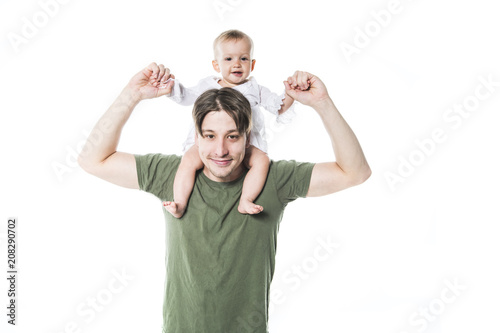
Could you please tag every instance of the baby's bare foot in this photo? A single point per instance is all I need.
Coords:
(174, 208)
(248, 207)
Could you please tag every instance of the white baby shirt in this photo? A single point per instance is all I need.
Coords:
(256, 94)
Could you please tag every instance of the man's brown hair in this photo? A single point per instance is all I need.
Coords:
(225, 99)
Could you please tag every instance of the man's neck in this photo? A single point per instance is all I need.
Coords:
(237, 173)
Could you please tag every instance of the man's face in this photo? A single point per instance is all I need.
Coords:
(221, 147)
(233, 60)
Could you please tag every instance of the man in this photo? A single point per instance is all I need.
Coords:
(220, 263)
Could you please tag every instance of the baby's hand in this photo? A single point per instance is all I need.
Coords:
(163, 83)
(299, 81)
(295, 86)
(303, 87)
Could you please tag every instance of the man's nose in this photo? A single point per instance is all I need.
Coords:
(220, 148)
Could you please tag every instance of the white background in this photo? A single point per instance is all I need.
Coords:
(397, 245)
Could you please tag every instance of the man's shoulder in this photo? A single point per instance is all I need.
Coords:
(290, 178)
(158, 157)
(156, 161)
(282, 171)
(284, 164)
(155, 171)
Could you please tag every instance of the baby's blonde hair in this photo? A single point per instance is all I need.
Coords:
(232, 35)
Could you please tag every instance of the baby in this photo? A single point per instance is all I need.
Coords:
(233, 60)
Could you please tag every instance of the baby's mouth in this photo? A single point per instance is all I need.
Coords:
(237, 73)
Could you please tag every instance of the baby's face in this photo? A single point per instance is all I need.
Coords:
(233, 60)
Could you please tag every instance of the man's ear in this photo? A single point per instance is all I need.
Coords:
(253, 64)
(215, 64)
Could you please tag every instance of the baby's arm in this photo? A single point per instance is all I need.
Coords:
(258, 163)
(277, 104)
(287, 103)
(184, 182)
(184, 95)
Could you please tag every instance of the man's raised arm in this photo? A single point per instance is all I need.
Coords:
(351, 167)
(99, 156)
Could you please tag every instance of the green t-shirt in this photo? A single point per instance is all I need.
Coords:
(219, 262)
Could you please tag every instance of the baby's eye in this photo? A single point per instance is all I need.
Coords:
(228, 59)
(244, 59)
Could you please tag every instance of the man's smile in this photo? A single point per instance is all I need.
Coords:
(221, 162)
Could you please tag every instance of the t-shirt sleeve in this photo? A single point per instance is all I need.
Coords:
(292, 179)
(156, 173)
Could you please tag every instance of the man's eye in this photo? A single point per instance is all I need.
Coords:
(233, 137)
(209, 136)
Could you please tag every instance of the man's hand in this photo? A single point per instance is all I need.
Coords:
(306, 89)
(151, 82)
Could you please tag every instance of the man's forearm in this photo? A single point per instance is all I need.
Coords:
(348, 152)
(103, 140)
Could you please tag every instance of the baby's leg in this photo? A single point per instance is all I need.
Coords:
(184, 182)
(258, 164)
